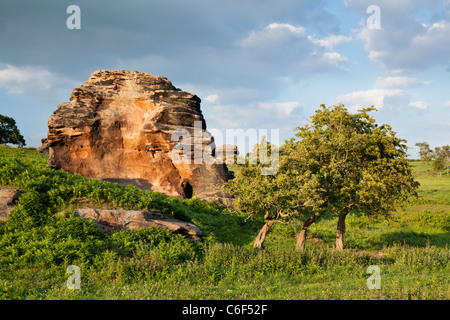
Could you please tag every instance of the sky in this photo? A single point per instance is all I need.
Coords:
(256, 64)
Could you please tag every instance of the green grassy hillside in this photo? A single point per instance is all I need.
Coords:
(36, 246)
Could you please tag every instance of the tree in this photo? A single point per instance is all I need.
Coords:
(446, 150)
(354, 163)
(340, 162)
(425, 152)
(9, 133)
(439, 157)
(306, 186)
(275, 196)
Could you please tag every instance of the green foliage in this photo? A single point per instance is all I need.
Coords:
(439, 159)
(425, 153)
(37, 245)
(280, 193)
(9, 133)
(340, 162)
(357, 163)
(432, 219)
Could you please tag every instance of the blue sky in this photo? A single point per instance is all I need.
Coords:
(256, 64)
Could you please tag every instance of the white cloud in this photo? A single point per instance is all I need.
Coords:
(330, 41)
(397, 82)
(285, 26)
(422, 105)
(446, 104)
(20, 80)
(363, 99)
(283, 109)
(410, 48)
(328, 59)
(271, 34)
(31, 80)
(213, 98)
(288, 50)
(389, 93)
(413, 34)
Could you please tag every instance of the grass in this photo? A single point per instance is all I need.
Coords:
(37, 246)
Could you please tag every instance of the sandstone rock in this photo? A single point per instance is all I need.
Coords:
(227, 153)
(116, 220)
(43, 148)
(118, 126)
(8, 198)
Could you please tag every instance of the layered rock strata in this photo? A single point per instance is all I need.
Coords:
(123, 126)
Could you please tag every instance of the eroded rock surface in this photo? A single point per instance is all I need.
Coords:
(118, 126)
(116, 220)
(8, 198)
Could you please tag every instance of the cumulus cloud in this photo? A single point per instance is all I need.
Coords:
(366, 98)
(213, 98)
(33, 80)
(406, 42)
(283, 109)
(23, 79)
(331, 41)
(292, 50)
(398, 82)
(421, 105)
(394, 90)
(272, 34)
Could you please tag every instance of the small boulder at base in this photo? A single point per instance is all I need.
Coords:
(8, 198)
(113, 220)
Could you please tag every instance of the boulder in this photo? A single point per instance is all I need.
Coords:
(8, 198)
(117, 220)
(120, 126)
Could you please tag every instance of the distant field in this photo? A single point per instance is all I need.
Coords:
(36, 247)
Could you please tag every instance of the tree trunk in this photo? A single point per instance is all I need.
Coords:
(262, 234)
(301, 237)
(340, 232)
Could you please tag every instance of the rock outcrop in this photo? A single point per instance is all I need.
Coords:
(8, 198)
(43, 148)
(227, 153)
(117, 220)
(120, 126)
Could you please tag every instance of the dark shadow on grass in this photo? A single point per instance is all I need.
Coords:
(413, 238)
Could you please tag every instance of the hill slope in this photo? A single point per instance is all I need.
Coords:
(36, 246)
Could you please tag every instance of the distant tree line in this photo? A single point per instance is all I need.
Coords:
(440, 156)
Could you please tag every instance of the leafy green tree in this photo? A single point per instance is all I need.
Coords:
(339, 162)
(356, 164)
(9, 133)
(446, 150)
(425, 152)
(275, 196)
(439, 158)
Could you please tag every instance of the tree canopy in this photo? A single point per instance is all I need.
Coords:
(336, 163)
(358, 164)
(9, 133)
